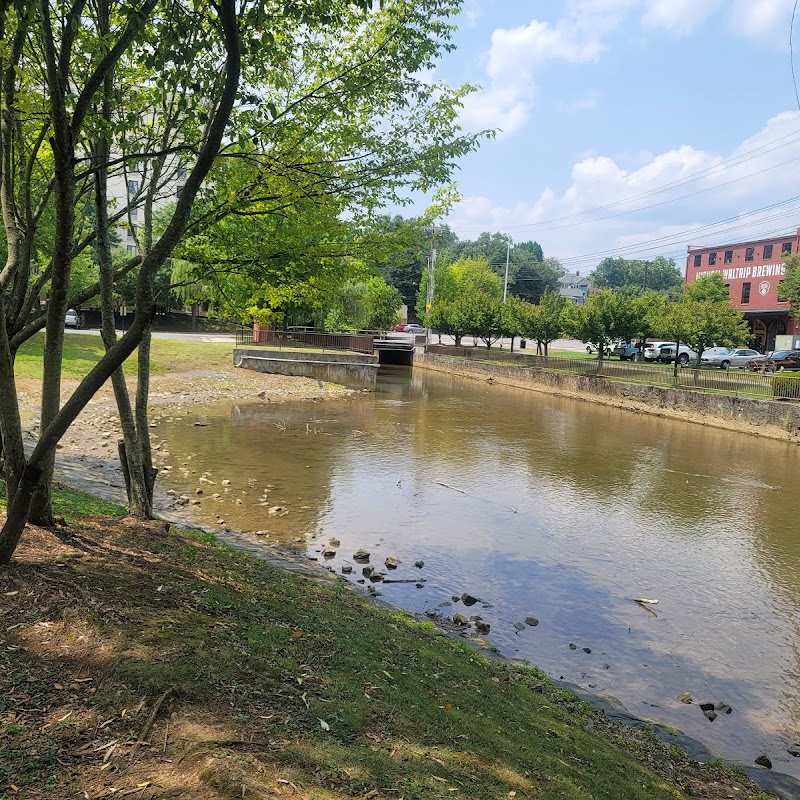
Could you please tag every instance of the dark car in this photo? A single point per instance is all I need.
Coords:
(778, 361)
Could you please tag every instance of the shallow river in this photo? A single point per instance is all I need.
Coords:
(543, 507)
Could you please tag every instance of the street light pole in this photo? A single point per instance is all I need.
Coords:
(505, 282)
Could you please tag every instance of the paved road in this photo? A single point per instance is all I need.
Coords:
(197, 337)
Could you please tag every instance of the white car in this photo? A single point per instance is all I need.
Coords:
(665, 352)
(72, 319)
(652, 350)
(738, 358)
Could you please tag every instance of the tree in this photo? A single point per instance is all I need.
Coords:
(605, 317)
(403, 256)
(708, 287)
(533, 277)
(635, 275)
(790, 286)
(701, 324)
(352, 133)
(546, 321)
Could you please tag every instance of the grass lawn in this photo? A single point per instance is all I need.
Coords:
(145, 663)
(83, 351)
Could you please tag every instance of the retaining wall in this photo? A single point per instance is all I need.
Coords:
(773, 419)
(355, 370)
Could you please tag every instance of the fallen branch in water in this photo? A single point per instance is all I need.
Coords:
(461, 491)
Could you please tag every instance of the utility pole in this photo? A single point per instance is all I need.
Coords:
(508, 259)
(431, 270)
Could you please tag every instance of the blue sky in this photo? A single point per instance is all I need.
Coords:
(628, 127)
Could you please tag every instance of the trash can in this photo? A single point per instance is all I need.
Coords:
(522, 343)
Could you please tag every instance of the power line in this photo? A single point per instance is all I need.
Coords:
(740, 159)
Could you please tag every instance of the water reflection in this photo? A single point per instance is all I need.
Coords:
(548, 507)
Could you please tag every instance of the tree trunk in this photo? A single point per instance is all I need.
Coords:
(13, 451)
(135, 483)
(142, 418)
(102, 371)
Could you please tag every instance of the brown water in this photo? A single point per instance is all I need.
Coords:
(552, 508)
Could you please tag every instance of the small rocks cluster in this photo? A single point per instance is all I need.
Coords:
(709, 709)
(369, 572)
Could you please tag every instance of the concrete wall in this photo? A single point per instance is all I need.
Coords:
(773, 419)
(356, 370)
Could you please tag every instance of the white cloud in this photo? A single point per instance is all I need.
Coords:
(764, 21)
(670, 199)
(583, 34)
(515, 53)
(677, 16)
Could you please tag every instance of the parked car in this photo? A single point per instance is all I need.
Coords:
(725, 358)
(414, 328)
(592, 348)
(667, 354)
(72, 319)
(626, 351)
(652, 351)
(778, 361)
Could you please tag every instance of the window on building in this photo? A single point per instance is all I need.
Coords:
(749, 253)
(745, 293)
(134, 213)
(729, 256)
(181, 174)
(178, 190)
(698, 260)
(767, 251)
(131, 232)
(786, 247)
(133, 187)
(712, 259)
(131, 248)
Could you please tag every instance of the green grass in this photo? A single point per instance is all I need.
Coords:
(268, 658)
(83, 351)
(75, 505)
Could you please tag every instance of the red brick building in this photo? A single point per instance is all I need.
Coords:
(753, 271)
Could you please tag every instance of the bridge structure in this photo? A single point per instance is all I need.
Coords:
(398, 347)
(347, 358)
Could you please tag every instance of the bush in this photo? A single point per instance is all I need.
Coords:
(786, 387)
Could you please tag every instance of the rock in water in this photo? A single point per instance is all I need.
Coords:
(346, 569)
(361, 555)
(460, 619)
(764, 761)
(392, 562)
(532, 621)
(573, 646)
(468, 599)
(482, 627)
(419, 564)
(708, 710)
(685, 698)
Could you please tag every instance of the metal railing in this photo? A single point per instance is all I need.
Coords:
(783, 386)
(303, 338)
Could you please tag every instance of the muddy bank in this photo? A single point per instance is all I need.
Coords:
(87, 455)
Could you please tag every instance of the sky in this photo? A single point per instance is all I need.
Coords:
(628, 127)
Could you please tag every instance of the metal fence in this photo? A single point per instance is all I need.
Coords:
(782, 386)
(316, 340)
